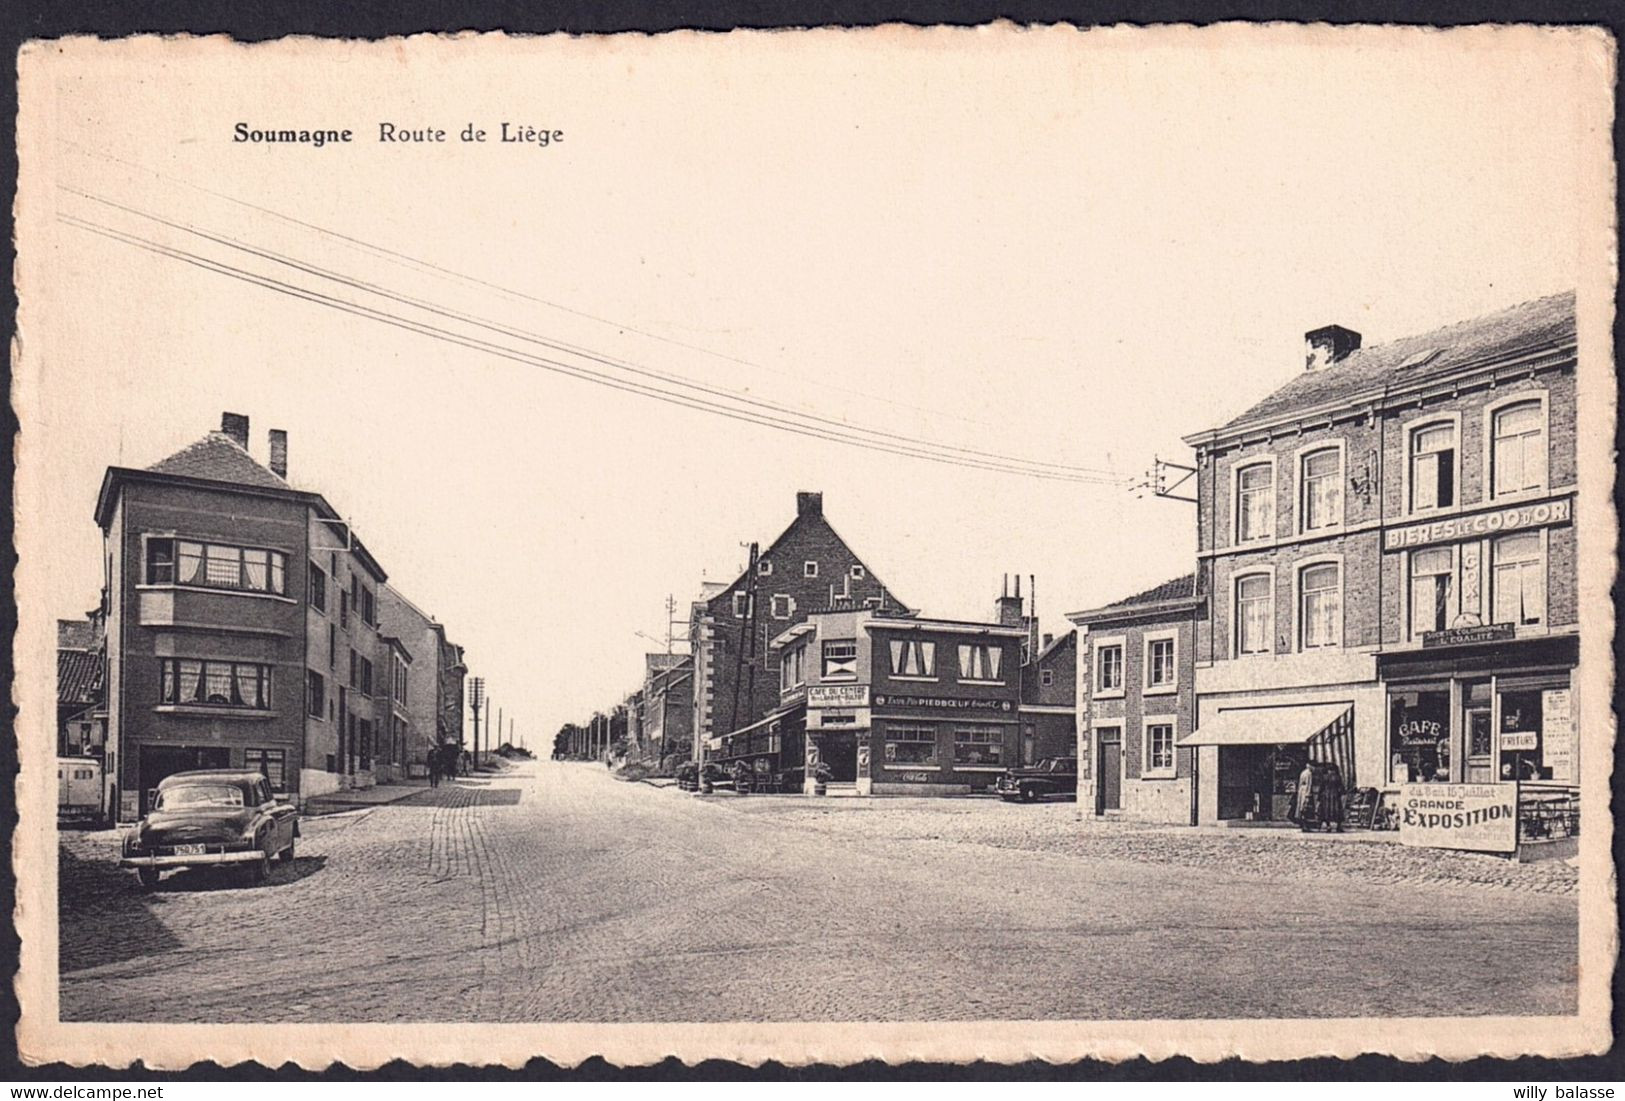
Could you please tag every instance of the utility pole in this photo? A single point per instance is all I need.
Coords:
(499, 731)
(476, 700)
(747, 639)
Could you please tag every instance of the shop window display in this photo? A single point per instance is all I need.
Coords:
(1419, 737)
(1521, 750)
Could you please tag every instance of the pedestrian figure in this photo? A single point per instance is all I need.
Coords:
(433, 758)
(1331, 798)
(1303, 800)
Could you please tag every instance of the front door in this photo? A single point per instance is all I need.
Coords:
(1111, 773)
(840, 753)
(1480, 742)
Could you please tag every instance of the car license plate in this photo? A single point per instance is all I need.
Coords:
(190, 850)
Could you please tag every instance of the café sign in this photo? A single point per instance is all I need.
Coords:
(838, 695)
(1477, 817)
(1454, 528)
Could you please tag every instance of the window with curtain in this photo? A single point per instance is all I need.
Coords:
(980, 661)
(1432, 578)
(1253, 614)
(1433, 466)
(1322, 504)
(1109, 669)
(1518, 461)
(1255, 502)
(215, 683)
(1518, 579)
(840, 658)
(1321, 616)
(1159, 666)
(1159, 747)
(216, 566)
(271, 763)
(913, 658)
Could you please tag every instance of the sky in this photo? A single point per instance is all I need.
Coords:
(1074, 248)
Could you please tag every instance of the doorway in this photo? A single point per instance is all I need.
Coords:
(1110, 787)
(840, 753)
(1480, 738)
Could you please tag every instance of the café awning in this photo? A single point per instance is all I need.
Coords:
(1291, 725)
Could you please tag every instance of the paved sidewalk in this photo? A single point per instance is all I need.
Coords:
(379, 794)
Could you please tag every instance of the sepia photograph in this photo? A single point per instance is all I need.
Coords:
(912, 544)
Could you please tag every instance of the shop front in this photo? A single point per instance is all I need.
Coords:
(1251, 757)
(1478, 705)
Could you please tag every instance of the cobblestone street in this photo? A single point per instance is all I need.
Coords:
(553, 892)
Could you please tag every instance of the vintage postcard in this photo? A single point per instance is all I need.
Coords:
(911, 544)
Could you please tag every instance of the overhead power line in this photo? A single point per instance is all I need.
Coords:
(586, 374)
(406, 260)
(530, 336)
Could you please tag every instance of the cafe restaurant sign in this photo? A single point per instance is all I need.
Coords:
(1478, 817)
(1454, 528)
(838, 695)
(942, 703)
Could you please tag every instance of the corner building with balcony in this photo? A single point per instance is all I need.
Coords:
(242, 627)
(1387, 549)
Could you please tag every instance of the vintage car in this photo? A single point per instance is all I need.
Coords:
(210, 818)
(1051, 776)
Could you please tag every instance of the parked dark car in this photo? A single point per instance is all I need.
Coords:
(693, 777)
(1051, 776)
(210, 818)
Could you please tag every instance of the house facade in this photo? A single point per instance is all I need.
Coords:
(1135, 702)
(891, 704)
(807, 568)
(668, 708)
(81, 687)
(242, 626)
(434, 672)
(1386, 545)
(1048, 707)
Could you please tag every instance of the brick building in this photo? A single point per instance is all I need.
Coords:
(1048, 698)
(890, 703)
(1386, 545)
(808, 567)
(242, 624)
(81, 687)
(1135, 702)
(667, 701)
(433, 696)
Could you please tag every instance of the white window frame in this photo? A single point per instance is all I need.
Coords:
(809, 568)
(891, 736)
(931, 659)
(823, 660)
(764, 567)
(741, 602)
(1492, 564)
(1407, 433)
(789, 606)
(1046, 677)
(1105, 642)
(1494, 409)
(1300, 460)
(857, 571)
(1236, 468)
(1301, 567)
(1147, 772)
(1268, 574)
(994, 647)
(1146, 687)
(1454, 608)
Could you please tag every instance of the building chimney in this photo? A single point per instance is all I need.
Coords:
(1328, 345)
(1007, 609)
(235, 425)
(809, 504)
(279, 452)
(1048, 638)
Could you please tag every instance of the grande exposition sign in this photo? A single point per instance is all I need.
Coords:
(1480, 817)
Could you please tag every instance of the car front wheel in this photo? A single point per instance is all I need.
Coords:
(1029, 794)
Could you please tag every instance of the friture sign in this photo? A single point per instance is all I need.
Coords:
(942, 703)
(838, 695)
(1457, 636)
(1480, 817)
(1452, 528)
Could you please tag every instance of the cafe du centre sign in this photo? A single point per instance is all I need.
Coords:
(1454, 528)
